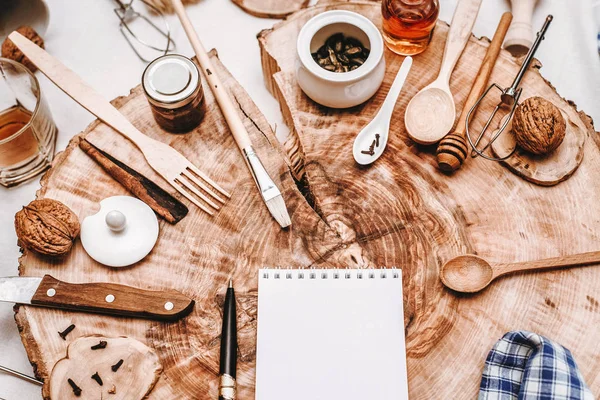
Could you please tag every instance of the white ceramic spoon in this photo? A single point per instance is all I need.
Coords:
(380, 125)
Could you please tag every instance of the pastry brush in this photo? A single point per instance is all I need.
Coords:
(270, 192)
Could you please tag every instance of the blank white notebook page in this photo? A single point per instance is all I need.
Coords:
(330, 335)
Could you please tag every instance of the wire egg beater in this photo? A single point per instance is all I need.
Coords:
(144, 36)
(509, 99)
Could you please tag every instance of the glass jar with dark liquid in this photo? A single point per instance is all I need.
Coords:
(408, 24)
(174, 90)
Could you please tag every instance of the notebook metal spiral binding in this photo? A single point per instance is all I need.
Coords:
(330, 273)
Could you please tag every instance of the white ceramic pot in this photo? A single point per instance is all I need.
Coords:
(15, 13)
(339, 89)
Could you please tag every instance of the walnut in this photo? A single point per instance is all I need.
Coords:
(46, 226)
(539, 126)
(9, 50)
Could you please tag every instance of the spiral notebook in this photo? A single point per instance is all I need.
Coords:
(330, 335)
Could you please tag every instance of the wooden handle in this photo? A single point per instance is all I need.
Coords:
(452, 150)
(78, 90)
(459, 34)
(230, 111)
(112, 299)
(574, 260)
(520, 35)
(485, 71)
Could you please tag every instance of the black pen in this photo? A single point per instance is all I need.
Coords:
(229, 346)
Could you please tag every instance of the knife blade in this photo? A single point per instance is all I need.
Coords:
(103, 298)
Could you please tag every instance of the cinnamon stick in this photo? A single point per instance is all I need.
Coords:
(165, 205)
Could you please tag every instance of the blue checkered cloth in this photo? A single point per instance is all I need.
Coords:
(526, 366)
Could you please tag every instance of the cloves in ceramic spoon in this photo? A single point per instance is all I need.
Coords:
(470, 274)
(380, 125)
(431, 113)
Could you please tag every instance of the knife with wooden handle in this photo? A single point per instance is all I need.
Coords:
(102, 298)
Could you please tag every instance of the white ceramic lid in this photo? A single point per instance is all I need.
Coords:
(122, 233)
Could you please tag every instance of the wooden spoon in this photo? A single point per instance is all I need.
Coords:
(470, 274)
(431, 113)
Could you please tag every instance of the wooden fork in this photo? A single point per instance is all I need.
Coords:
(166, 161)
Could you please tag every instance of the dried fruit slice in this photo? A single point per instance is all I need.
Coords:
(86, 368)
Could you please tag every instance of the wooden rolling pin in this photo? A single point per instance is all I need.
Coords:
(453, 149)
(520, 35)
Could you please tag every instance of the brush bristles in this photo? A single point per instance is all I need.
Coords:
(278, 210)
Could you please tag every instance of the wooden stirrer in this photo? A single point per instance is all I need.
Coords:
(453, 148)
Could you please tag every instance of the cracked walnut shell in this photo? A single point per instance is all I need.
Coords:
(9, 50)
(47, 226)
(539, 126)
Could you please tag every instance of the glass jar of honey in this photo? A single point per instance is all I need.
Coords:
(408, 24)
(174, 90)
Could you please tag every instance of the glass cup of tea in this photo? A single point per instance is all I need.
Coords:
(27, 131)
(408, 24)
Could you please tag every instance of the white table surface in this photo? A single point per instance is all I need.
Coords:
(84, 35)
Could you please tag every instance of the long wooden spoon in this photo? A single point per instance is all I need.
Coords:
(431, 113)
(470, 274)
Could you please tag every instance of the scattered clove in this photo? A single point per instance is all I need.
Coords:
(64, 333)
(374, 144)
(341, 54)
(100, 345)
(371, 150)
(112, 390)
(97, 378)
(76, 389)
(116, 367)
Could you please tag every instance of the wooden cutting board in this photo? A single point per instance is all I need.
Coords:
(197, 256)
(271, 8)
(403, 211)
(399, 212)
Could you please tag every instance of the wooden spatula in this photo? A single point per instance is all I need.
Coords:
(168, 162)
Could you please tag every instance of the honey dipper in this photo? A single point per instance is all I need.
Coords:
(453, 149)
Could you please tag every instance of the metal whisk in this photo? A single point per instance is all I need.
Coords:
(508, 99)
(127, 14)
(20, 375)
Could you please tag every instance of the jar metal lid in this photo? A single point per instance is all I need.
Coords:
(171, 81)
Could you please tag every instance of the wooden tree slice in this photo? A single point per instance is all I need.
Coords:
(402, 211)
(196, 257)
(550, 169)
(271, 8)
(133, 379)
(399, 212)
(165, 6)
